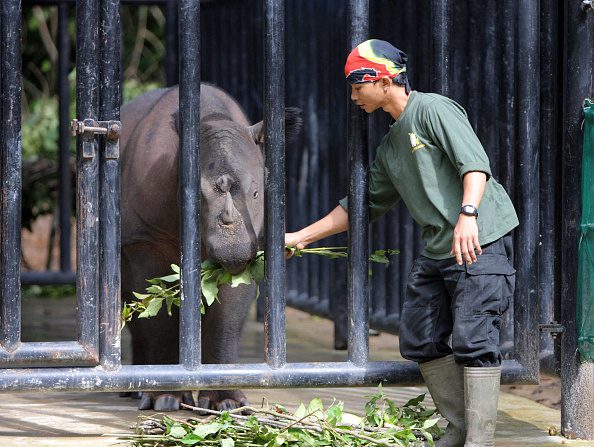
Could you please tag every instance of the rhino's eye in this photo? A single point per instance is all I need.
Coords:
(255, 194)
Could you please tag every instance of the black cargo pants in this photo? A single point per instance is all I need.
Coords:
(465, 302)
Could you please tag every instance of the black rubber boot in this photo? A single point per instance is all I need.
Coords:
(481, 390)
(445, 380)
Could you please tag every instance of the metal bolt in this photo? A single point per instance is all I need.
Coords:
(78, 128)
(587, 5)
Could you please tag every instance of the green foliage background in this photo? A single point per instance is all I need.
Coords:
(142, 54)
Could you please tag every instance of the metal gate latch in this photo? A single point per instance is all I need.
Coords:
(89, 128)
(109, 128)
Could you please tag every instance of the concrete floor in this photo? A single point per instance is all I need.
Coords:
(82, 419)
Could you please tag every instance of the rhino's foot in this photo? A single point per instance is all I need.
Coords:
(165, 401)
(221, 400)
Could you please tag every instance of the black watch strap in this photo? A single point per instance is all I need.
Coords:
(469, 210)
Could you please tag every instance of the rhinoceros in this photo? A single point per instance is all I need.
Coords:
(231, 222)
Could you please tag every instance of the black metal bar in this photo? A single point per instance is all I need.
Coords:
(10, 149)
(175, 377)
(507, 127)
(74, 2)
(109, 109)
(550, 100)
(87, 224)
(189, 108)
(47, 278)
(48, 354)
(171, 57)
(577, 393)
(274, 102)
(526, 301)
(440, 38)
(65, 205)
(358, 277)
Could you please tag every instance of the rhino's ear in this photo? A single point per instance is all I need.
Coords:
(175, 121)
(257, 132)
(293, 124)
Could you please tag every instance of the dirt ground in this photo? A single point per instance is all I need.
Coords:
(35, 245)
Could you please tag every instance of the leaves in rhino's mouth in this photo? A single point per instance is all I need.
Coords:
(166, 289)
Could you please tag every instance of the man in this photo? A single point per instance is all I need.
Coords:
(461, 284)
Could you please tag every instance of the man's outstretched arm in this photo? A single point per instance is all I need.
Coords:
(334, 222)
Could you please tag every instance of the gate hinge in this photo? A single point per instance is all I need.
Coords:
(553, 328)
(89, 128)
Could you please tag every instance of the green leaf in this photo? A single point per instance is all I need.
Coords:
(140, 296)
(415, 401)
(301, 412)
(316, 408)
(224, 278)
(241, 278)
(170, 278)
(257, 269)
(227, 442)
(152, 309)
(177, 431)
(156, 289)
(210, 289)
(175, 268)
(334, 414)
(191, 439)
(430, 423)
(203, 430)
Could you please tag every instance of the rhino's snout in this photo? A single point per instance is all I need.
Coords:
(229, 214)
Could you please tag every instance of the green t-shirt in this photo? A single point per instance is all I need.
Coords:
(422, 160)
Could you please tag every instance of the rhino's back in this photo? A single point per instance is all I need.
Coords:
(150, 161)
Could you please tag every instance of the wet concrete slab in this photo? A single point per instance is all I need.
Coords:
(81, 419)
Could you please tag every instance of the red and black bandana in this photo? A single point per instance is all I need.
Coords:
(374, 59)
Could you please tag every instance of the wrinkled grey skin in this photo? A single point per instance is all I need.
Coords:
(231, 219)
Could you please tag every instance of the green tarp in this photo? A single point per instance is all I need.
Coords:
(585, 286)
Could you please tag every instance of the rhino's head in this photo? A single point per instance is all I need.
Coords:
(232, 183)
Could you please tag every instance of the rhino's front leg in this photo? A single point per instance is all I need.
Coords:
(221, 331)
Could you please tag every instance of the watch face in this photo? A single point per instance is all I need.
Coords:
(469, 209)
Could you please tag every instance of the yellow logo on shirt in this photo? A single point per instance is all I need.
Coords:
(415, 143)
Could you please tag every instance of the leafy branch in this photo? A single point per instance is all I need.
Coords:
(384, 424)
(166, 289)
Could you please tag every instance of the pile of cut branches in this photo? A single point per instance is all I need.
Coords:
(384, 424)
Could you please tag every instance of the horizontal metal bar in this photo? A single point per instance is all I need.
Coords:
(259, 375)
(41, 354)
(48, 277)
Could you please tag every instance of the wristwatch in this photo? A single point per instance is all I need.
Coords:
(469, 210)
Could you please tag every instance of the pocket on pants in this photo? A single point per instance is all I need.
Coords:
(488, 286)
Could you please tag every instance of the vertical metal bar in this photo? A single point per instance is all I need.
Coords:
(550, 79)
(109, 109)
(274, 101)
(10, 223)
(87, 262)
(507, 127)
(358, 277)
(189, 108)
(440, 38)
(65, 206)
(526, 302)
(171, 57)
(577, 392)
